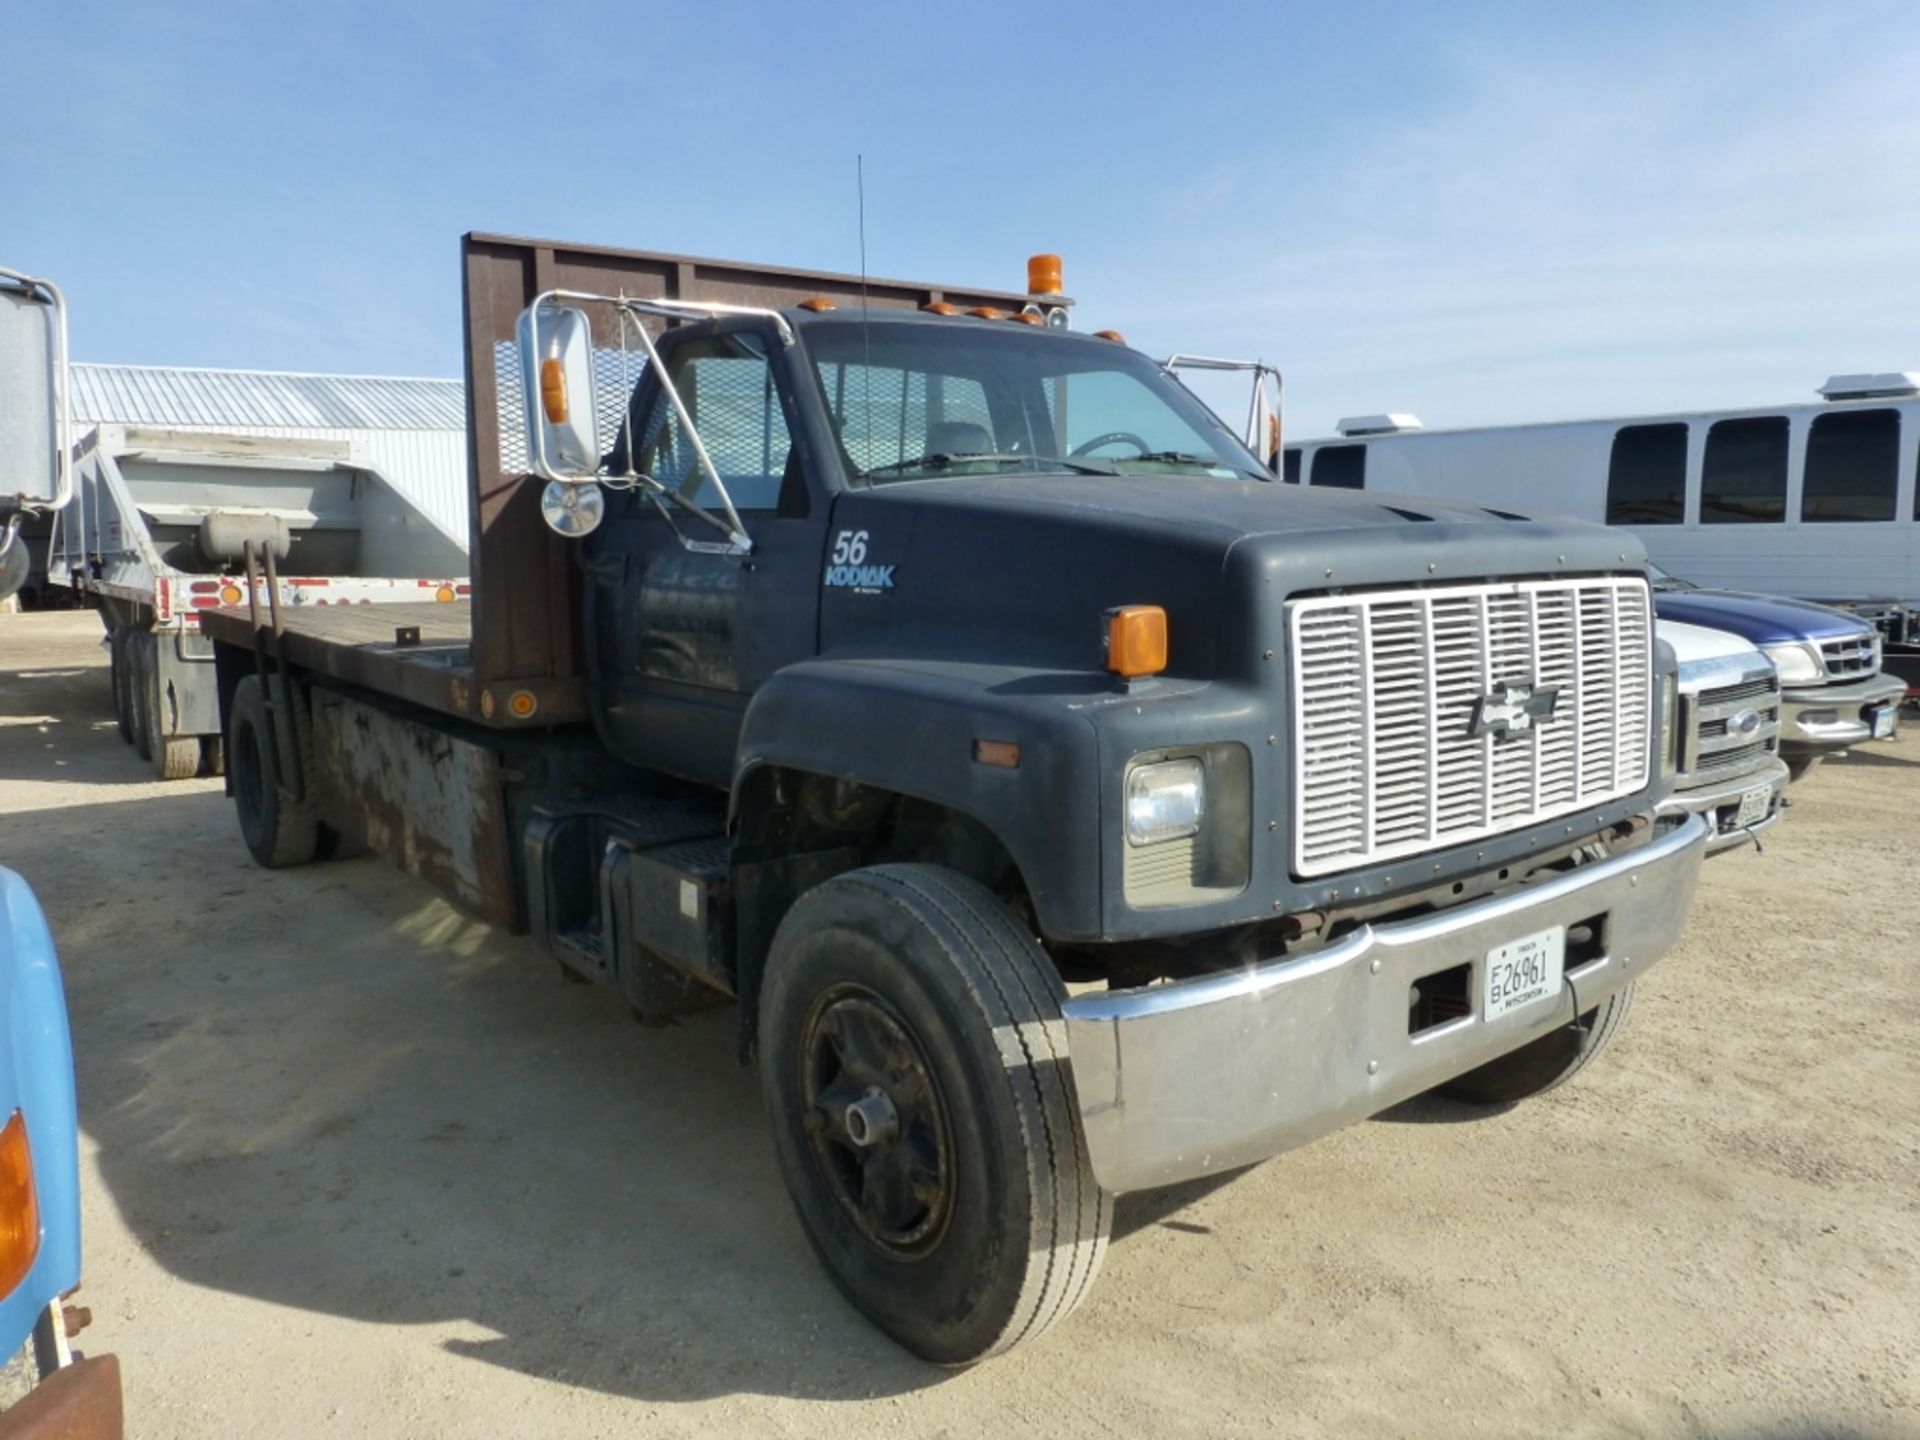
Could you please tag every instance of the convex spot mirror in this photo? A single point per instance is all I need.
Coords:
(556, 376)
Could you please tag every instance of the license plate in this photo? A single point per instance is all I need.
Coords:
(1885, 717)
(1754, 806)
(1523, 972)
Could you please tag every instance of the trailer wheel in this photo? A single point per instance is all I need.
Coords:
(278, 830)
(914, 1063)
(1551, 1060)
(140, 667)
(122, 682)
(174, 757)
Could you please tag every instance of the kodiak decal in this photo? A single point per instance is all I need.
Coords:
(848, 568)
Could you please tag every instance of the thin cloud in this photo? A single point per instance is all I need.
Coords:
(1573, 234)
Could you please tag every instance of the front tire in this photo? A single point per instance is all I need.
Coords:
(1553, 1059)
(914, 1064)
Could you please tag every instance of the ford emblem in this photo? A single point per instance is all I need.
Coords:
(1744, 723)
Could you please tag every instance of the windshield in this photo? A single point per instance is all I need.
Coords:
(919, 401)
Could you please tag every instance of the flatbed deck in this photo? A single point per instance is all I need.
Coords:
(417, 652)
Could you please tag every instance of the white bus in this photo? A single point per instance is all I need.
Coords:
(1815, 500)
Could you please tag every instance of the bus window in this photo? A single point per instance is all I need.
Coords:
(1743, 480)
(1343, 466)
(1290, 465)
(1853, 466)
(1647, 477)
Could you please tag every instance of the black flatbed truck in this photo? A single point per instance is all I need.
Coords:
(1069, 806)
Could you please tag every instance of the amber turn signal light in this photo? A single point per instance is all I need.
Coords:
(553, 390)
(19, 1206)
(1136, 640)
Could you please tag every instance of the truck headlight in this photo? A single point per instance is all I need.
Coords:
(1797, 664)
(1165, 801)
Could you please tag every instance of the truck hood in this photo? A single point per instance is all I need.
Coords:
(1693, 643)
(1017, 569)
(1761, 619)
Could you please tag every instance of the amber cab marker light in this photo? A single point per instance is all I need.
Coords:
(553, 387)
(1136, 640)
(1003, 753)
(1043, 275)
(1114, 335)
(1027, 317)
(818, 304)
(987, 312)
(19, 1206)
(941, 307)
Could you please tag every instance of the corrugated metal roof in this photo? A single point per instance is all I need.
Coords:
(263, 399)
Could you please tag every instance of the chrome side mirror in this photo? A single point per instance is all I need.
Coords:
(556, 375)
(563, 441)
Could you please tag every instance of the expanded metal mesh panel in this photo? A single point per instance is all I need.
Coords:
(1387, 689)
(510, 409)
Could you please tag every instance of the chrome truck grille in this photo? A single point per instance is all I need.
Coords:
(1851, 658)
(1389, 688)
(1729, 729)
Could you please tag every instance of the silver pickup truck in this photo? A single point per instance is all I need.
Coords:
(1729, 766)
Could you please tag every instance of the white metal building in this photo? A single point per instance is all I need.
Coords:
(412, 431)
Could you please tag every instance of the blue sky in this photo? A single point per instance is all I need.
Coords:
(1477, 211)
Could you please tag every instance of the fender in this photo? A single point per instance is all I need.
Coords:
(911, 726)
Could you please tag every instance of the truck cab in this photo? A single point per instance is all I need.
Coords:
(1069, 807)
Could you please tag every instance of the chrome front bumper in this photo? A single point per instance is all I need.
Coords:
(1718, 803)
(1816, 719)
(1204, 1075)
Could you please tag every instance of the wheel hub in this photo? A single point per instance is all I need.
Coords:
(876, 1122)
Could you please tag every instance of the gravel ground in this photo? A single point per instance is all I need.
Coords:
(355, 1165)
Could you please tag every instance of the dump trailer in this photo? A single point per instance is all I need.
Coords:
(156, 535)
(1068, 807)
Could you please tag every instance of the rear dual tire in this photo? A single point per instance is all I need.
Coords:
(914, 1063)
(279, 830)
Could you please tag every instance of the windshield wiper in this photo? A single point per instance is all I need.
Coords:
(1182, 457)
(946, 459)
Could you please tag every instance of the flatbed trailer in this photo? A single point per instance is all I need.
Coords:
(966, 702)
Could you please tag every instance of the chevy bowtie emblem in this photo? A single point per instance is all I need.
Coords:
(1511, 709)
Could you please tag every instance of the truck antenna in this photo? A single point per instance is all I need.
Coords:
(866, 340)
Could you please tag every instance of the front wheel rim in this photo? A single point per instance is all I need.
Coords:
(876, 1121)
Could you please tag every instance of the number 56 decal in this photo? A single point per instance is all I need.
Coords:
(847, 569)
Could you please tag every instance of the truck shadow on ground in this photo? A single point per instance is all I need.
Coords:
(54, 717)
(1905, 754)
(325, 1089)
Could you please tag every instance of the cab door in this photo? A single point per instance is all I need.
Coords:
(682, 636)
